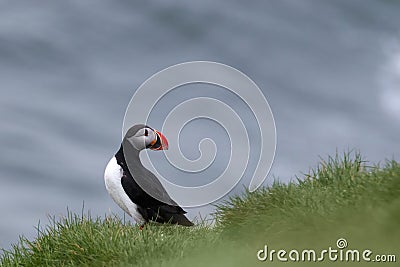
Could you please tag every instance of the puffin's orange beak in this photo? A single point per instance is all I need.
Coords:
(160, 143)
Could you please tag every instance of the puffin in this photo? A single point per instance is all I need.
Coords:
(125, 176)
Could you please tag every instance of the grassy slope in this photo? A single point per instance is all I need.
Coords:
(341, 198)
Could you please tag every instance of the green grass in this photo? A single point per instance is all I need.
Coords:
(341, 198)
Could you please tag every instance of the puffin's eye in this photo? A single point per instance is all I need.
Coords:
(146, 132)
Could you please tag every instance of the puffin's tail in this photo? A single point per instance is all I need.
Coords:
(180, 219)
(170, 214)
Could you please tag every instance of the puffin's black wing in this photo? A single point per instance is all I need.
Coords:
(147, 180)
(149, 207)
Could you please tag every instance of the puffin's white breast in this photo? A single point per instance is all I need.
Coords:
(112, 178)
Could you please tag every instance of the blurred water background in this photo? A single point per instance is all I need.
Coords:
(330, 71)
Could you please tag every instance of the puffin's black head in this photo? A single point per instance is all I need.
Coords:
(142, 136)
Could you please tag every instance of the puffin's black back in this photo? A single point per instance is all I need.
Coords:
(149, 207)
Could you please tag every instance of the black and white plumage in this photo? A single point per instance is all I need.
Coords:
(125, 172)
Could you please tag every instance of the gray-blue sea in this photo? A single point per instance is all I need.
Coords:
(68, 69)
